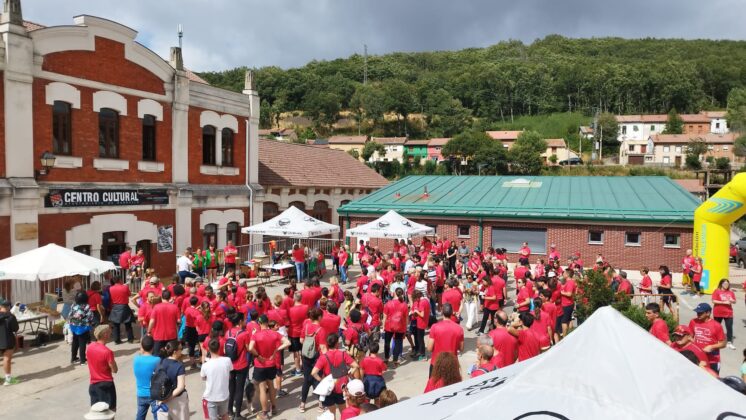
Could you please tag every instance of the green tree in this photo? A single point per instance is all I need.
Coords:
(525, 155)
(323, 106)
(694, 149)
(739, 148)
(736, 114)
(354, 153)
(674, 124)
(594, 292)
(607, 130)
(370, 148)
(401, 99)
(479, 151)
(368, 103)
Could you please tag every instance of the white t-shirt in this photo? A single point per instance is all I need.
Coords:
(184, 263)
(217, 371)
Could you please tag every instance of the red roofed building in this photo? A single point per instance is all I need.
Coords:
(434, 148)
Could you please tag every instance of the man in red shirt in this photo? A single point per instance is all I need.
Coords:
(484, 361)
(453, 296)
(240, 371)
(299, 258)
(230, 253)
(708, 334)
(658, 326)
(330, 321)
(505, 344)
(528, 344)
(101, 366)
(120, 310)
(445, 336)
(372, 303)
(296, 315)
(624, 285)
(308, 294)
(124, 259)
(683, 341)
(266, 345)
(567, 300)
(524, 254)
(164, 320)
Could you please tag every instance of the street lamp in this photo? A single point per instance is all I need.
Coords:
(47, 163)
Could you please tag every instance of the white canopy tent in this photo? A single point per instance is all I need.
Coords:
(391, 225)
(292, 223)
(47, 263)
(609, 368)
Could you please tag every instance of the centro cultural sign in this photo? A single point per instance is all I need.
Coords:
(95, 198)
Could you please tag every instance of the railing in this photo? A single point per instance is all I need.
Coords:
(247, 252)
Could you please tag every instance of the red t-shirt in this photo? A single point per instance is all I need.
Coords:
(94, 299)
(221, 350)
(361, 282)
(297, 315)
(124, 260)
(203, 325)
(646, 284)
(373, 365)
(230, 253)
(299, 255)
(569, 286)
(520, 272)
(506, 346)
(308, 297)
(143, 314)
(659, 329)
(165, 316)
(539, 328)
(351, 334)
(279, 316)
(719, 310)
(120, 294)
(266, 343)
(191, 315)
(424, 306)
(242, 342)
(350, 412)
(433, 385)
(330, 323)
(99, 357)
(447, 337)
(666, 281)
(708, 333)
(691, 347)
(374, 306)
(335, 357)
(549, 311)
(315, 330)
(489, 367)
(625, 287)
(528, 345)
(454, 297)
(523, 294)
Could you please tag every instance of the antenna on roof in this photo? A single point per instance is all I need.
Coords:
(181, 34)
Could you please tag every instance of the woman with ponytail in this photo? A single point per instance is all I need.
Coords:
(177, 404)
(395, 325)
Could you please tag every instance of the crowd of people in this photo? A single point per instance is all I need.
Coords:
(340, 340)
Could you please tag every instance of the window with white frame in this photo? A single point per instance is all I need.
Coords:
(725, 148)
(463, 231)
(666, 159)
(632, 238)
(671, 240)
(512, 239)
(596, 237)
(666, 149)
(678, 149)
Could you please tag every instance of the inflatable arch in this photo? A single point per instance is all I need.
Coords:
(712, 222)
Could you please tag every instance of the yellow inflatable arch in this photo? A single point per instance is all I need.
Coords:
(712, 222)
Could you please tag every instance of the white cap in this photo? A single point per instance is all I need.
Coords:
(355, 387)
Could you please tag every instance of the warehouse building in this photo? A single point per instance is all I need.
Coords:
(632, 221)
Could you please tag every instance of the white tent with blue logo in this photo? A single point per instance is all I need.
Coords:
(608, 368)
(391, 225)
(292, 223)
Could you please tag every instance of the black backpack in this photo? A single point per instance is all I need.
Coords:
(230, 348)
(363, 339)
(339, 371)
(161, 385)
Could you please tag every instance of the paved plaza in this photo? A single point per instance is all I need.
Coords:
(51, 388)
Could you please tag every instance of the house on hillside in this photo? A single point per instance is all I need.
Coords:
(640, 127)
(416, 148)
(434, 147)
(348, 143)
(507, 138)
(718, 122)
(670, 149)
(586, 132)
(557, 147)
(394, 149)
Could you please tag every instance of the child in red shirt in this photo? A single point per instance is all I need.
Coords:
(373, 368)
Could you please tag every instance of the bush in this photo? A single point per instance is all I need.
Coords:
(594, 292)
(636, 314)
(692, 162)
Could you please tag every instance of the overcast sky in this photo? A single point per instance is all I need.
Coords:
(221, 34)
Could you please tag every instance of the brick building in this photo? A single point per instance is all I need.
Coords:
(147, 154)
(632, 221)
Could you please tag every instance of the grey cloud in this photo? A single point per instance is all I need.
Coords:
(221, 34)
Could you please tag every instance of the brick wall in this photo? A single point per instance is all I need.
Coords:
(2, 127)
(53, 228)
(4, 237)
(106, 64)
(195, 152)
(197, 228)
(569, 238)
(85, 131)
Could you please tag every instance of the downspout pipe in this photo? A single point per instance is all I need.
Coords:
(248, 184)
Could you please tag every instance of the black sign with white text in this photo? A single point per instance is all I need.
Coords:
(96, 198)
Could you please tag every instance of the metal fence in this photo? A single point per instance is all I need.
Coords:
(248, 252)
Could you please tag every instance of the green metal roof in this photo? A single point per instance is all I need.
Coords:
(652, 199)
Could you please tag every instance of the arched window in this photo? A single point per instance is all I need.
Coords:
(299, 204)
(321, 211)
(108, 133)
(208, 145)
(233, 233)
(270, 210)
(209, 235)
(61, 128)
(227, 147)
(148, 138)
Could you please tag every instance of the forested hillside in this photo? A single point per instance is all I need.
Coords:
(491, 86)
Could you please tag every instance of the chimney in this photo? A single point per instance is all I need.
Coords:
(12, 12)
(425, 194)
(177, 61)
(248, 82)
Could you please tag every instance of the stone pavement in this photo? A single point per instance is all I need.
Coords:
(51, 388)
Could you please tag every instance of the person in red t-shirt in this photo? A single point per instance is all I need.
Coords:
(330, 321)
(446, 371)
(421, 313)
(341, 366)
(664, 288)
(164, 322)
(299, 259)
(373, 368)
(658, 326)
(230, 253)
(484, 364)
(191, 317)
(646, 284)
(355, 398)
(311, 330)
(95, 301)
(504, 343)
(567, 299)
(453, 295)
(240, 372)
(296, 315)
(708, 334)
(101, 366)
(124, 259)
(695, 271)
(524, 254)
(491, 304)
(723, 300)
(528, 344)
(445, 336)
(683, 341)
(372, 303)
(120, 310)
(266, 345)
